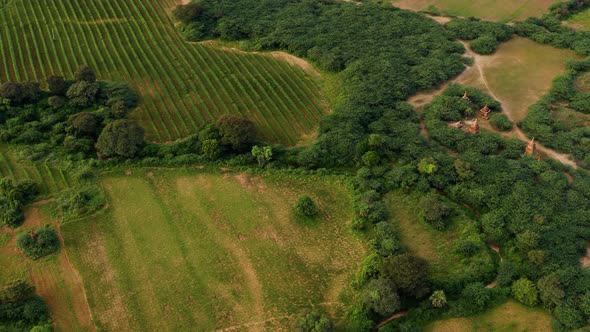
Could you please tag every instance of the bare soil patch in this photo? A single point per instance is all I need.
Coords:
(58, 283)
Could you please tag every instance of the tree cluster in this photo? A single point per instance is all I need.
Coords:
(21, 309)
(549, 30)
(38, 243)
(70, 117)
(12, 199)
(486, 35)
(543, 121)
(562, 10)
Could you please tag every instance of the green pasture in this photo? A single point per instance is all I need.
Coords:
(183, 85)
(492, 10)
(510, 316)
(185, 249)
(580, 20)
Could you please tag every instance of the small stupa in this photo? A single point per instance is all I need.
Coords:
(473, 128)
(485, 112)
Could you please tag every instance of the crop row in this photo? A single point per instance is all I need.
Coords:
(183, 85)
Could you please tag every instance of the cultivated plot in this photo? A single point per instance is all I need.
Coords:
(216, 251)
(183, 85)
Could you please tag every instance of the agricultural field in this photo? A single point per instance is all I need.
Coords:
(580, 21)
(53, 277)
(510, 316)
(486, 9)
(50, 177)
(183, 85)
(218, 251)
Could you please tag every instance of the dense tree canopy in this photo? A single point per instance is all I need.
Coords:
(120, 138)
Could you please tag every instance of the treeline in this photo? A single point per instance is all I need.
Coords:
(542, 121)
(486, 35)
(563, 10)
(549, 30)
(74, 119)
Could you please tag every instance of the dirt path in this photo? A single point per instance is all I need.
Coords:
(59, 283)
(478, 63)
(392, 318)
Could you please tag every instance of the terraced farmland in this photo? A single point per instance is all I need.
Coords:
(183, 85)
(50, 178)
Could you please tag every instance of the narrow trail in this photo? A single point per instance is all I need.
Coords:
(392, 318)
(515, 132)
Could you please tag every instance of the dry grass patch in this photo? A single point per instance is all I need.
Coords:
(510, 316)
(502, 10)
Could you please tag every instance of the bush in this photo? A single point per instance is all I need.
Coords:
(84, 73)
(381, 296)
(305, 206)
(81, 201)
(56, 85)
(56, 101)
(82, 94)
(314, 322)
(236, 132)
(501, 122)
(434, 212)
(38, 243)
(485, 44)
(120, 138)
(187, 13)
(525, 292)
(85, 123)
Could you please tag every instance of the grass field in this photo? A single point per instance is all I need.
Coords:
(510, 316)
(182, 85)
(191, 249)
(518, 74)
(580, 21)
(582, 83)
(436, 247)
(53, 276)
(493, 10)
(50, 178)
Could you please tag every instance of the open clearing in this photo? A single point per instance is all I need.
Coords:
(501, 10)
(183, 85)
(183, 249)
(55, 279)
(580, 21)
(510, 316)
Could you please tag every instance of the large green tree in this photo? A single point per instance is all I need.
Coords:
(120, 138)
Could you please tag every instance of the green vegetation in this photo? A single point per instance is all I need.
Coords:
(182, 86)
(223, 239)
(12, 199)
(487, 35)
(581, 20)
(306, 206)
(510, 316)
(501, 122)
(38, 243)
(553, 118)
(21, 309)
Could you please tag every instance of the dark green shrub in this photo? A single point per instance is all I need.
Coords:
(56, 101)
(85, 73)
(120, 138)
(485, 44)
(38, 243)
(236, 132)
(188, 12)
(314, 322)
(501, 122)
(82, 94)
(525, 291)
(305, 206)
(56, 85)
(381, 296)
(434, 212)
